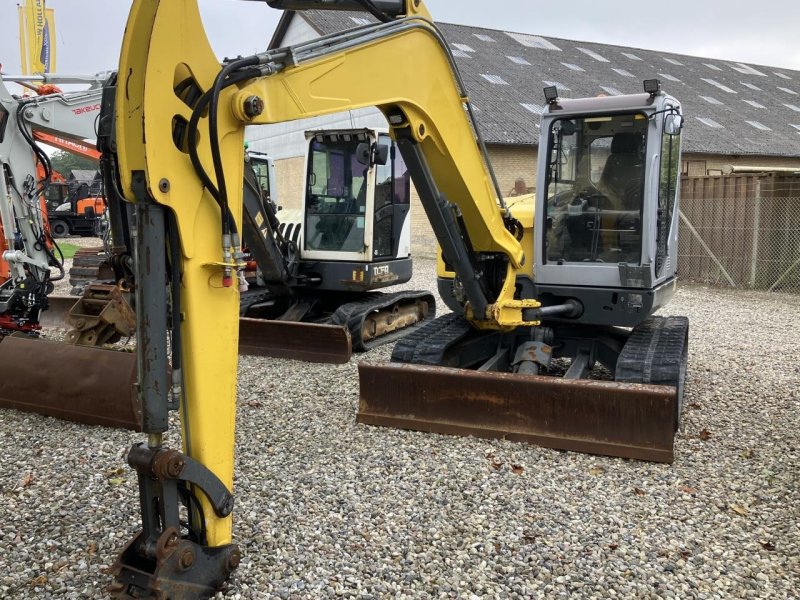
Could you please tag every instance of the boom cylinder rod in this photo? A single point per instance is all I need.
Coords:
(151, 313)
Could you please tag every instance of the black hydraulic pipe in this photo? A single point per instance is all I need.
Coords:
(445, 224)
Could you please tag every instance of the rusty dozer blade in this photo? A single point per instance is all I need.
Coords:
(310, 342)
(596, 417)
(86, 385)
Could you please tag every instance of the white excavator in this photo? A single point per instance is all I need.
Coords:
(312, 292)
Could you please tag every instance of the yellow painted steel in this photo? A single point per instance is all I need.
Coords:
(164, 43)
(408, 70)
(509, 313)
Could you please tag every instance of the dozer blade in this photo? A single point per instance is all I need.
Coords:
(257, 337)
(299, 341)
(57, 312)
(596, 417)
(86, 385)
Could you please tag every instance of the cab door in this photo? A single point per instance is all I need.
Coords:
(339, 194)
(391, 229)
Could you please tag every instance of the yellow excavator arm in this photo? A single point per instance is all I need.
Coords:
(180, 120)
(402, 67)
(180, 123)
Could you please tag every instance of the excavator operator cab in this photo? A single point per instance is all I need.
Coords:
(595, 190)
(607, 207)
(264, 170)
(357, 197)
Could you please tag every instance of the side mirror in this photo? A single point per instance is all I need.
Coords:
(673, 123)
(381, 154)
(372, 155)
(363, 153)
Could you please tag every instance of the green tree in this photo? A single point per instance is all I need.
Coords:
(65, 162)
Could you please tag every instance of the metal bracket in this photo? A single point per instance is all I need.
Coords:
(164, 464)
(182, 569)
(631, 276)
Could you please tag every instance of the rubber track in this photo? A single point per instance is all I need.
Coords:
(428, 344)
(251, 297)
(352, 315)
(85, 268)
(654, 353)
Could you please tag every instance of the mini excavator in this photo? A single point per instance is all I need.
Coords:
(28, 246)
(575, 283)
(101, 316)
(316, 301)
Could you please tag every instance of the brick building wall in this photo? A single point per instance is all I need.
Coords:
(509, 162)
(290, 175)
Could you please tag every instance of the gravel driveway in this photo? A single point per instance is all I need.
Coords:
(329, 508)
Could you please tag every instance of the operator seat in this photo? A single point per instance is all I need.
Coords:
(622, 181)
(623, 172)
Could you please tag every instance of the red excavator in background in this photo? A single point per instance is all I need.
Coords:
(73, 208)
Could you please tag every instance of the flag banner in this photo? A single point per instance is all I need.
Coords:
(37, 37)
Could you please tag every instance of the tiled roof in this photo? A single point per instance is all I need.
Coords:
(504, 73)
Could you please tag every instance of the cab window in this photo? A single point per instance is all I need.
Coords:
(595, 189)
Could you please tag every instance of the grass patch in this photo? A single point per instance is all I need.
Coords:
(68, 249)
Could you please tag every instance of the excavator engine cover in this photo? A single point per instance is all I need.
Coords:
(598, 417)
(86, 385)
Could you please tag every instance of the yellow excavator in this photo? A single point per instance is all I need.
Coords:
(576, 286)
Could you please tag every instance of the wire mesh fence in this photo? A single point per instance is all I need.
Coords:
(741, 231)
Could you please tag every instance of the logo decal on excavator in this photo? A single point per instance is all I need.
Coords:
(85, 109)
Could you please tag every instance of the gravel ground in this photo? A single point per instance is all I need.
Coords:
(329, 508)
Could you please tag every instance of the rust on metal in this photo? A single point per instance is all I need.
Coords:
(58, 308)
(384, 322)
(176, 568)
(310, 342)
(86, 385)
(101, 316)
(596, 417)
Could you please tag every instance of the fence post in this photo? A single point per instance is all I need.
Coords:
(688, 224)
(756, 234)
(783, 276)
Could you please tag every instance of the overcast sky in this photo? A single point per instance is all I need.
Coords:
(89, 32)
